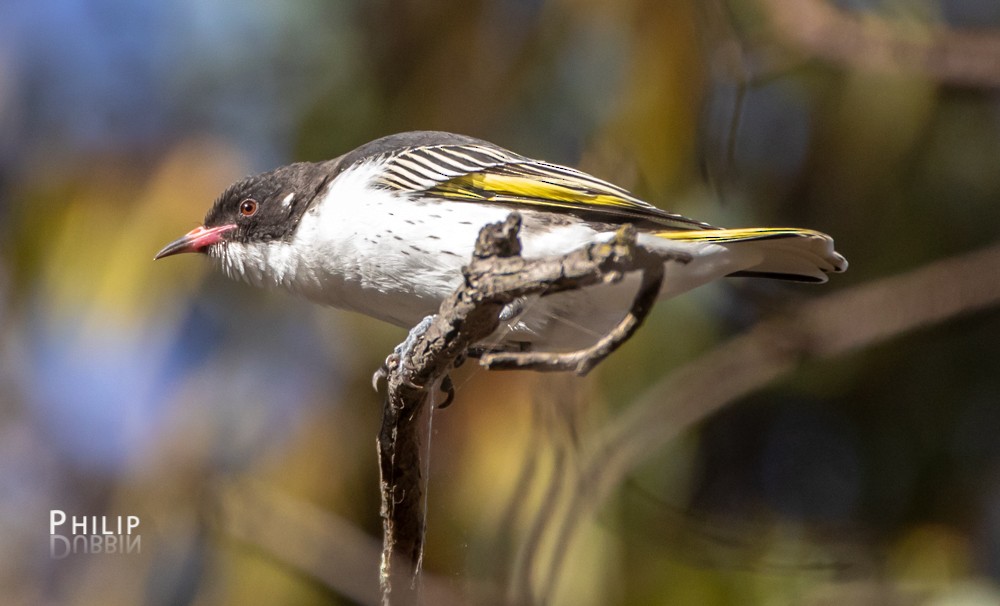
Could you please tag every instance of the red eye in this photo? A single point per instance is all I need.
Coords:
(248, 207)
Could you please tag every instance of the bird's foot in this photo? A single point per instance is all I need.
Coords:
(401, 353)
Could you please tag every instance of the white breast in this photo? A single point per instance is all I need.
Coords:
(381, 253)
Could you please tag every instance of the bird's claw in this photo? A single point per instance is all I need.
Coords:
(449, 389)
(391, 361)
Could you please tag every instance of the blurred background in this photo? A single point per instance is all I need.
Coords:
(239, 425)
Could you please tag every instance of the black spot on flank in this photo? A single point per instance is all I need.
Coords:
(448, 252)
(435, 216)
(410, 221)
(465, 222)
(400, 238)
(416, 249)
(433, 237)
(405, 253)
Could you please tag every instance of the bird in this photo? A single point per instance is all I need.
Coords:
(385, 230)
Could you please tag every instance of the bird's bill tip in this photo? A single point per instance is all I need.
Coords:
(196, 240)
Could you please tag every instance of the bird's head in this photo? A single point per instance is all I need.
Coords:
(251, 216)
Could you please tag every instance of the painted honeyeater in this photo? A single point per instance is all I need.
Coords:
(385, 229)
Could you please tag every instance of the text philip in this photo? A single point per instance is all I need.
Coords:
(92, 534)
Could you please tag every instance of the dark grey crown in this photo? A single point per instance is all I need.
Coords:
(273, 219)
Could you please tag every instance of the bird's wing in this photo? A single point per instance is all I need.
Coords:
(479, 172)
(485, 173)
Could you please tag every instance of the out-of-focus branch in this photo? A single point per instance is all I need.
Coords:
(309, 541)
(949, 56)
(850, 320)
(497, 276)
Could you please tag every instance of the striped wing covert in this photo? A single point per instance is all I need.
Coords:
(483, 173)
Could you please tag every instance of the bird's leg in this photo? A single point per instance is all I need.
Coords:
(402, 351)
(513, 309)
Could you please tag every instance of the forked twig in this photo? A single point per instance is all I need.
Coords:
(584, 360)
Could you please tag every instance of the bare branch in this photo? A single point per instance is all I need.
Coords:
(309, 541)
(497, 276)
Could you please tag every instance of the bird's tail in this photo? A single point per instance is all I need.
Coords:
(786, 253)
